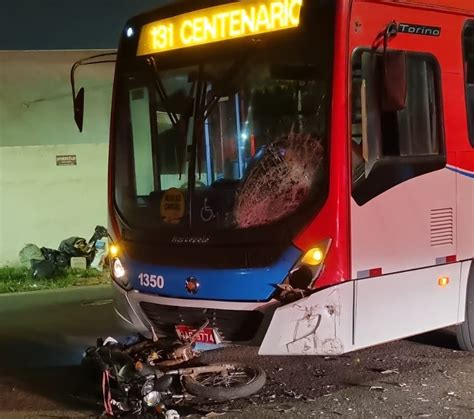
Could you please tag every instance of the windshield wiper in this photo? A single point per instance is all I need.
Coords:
(232, 76)
(198, 131)
(178, 122)
(160, 88)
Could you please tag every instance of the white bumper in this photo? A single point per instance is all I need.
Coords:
(320, 324)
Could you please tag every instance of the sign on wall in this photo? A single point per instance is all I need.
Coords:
(66, 160)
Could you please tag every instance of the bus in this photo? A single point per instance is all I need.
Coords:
(294, 174)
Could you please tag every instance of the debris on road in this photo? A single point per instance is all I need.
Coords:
(386, 372)
(285, 409)
(376, 388)
(293, 394)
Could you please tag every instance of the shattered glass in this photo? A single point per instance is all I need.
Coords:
(280, 181)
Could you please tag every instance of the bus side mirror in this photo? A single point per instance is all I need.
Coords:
(79, 109)
(394, 79)
(370, 95)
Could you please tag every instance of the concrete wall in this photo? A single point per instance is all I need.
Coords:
(41, 202)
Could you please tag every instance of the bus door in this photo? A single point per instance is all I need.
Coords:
(403, 204)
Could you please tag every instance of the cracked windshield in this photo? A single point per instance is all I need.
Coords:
(224, 145)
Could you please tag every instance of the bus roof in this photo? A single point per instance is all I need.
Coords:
(455, 6)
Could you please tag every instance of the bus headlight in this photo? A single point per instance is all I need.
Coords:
(118, 271)
(119, 274)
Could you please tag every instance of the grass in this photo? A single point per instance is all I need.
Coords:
(20, 279)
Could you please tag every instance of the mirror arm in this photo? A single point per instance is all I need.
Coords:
(73, 85)
(391, 30)
(86, 61)
(382, 39)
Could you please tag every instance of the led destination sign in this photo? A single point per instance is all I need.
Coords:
(228, 21)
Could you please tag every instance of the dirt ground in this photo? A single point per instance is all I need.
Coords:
(421, 377)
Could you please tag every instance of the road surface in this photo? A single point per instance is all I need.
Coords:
(43, 335)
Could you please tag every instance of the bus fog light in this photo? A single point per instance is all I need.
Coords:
(117, 269)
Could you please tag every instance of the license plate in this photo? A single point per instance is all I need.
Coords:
(207, 335)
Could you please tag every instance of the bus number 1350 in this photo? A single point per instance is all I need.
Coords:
(152, 281)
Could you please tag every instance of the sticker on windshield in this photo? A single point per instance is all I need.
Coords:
(207, 213)
(172, 206)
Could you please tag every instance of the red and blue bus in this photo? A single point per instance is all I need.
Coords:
(296, 174)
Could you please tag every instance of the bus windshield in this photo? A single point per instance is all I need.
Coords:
(229, 143)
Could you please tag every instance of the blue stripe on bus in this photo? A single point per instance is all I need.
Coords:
(252, 284)
(461, 172)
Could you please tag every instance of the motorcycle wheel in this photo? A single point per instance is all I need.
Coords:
(239, 381)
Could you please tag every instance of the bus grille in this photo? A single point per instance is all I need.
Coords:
(232, 325)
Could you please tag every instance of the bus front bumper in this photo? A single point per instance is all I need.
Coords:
(238, 322)
(320, 324)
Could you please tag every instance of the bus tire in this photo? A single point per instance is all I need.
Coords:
(465, 331)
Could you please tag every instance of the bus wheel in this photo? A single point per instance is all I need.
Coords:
(465, 331)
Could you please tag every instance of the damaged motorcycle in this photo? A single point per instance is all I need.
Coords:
(147, 375)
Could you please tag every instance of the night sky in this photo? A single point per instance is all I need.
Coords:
(66, 24)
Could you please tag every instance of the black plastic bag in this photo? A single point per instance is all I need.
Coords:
(61, 260)
(75, 246)
(43, 269)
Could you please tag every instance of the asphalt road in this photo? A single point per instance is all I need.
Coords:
(51, 328)
(43, 335)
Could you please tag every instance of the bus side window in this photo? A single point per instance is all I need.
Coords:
(468, 46)
(391, 147)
